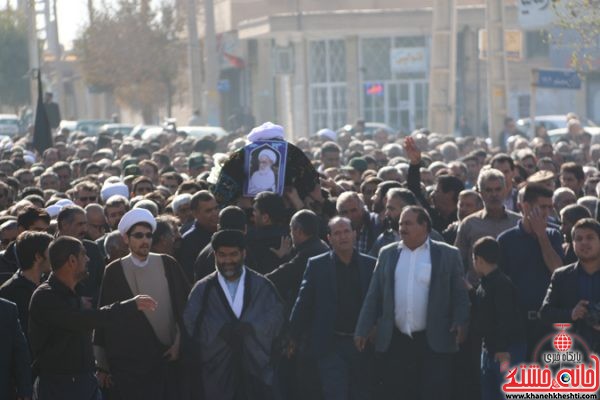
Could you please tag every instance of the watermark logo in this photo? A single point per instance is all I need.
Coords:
(569, 367)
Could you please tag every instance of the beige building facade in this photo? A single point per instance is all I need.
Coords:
(310, 64)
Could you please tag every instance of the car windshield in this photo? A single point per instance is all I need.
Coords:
(9, 122)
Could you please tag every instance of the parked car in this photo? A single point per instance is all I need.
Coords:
(370, 128)
(557, 134)
(140, 129)
(552, 122)
(90, 127)
(70, 125)
(9, 125)
(200, 132)
(124, 129)
(152, 133)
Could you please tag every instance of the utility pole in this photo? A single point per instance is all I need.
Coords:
(497, 71)
(194, 56)
(442, 73)
(211, 67)
(34, 56)
(53, 45)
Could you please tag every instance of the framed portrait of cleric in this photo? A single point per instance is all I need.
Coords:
(264, 167)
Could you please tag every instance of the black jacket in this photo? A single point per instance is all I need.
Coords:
(192, 242)
(315, 310)
(60, 329)
(562, 296)
(90, 286)
(19, 290)
(495, 313)
(15, 361)
(9, 264)
(261, 241)
(288, 277)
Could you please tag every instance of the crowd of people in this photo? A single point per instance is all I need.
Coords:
(416, 267)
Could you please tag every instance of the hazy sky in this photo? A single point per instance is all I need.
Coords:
(72, 15)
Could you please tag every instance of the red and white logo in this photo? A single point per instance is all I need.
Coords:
(564, 370)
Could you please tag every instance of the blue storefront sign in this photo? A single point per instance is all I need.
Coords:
(224, 86)
(557, 79)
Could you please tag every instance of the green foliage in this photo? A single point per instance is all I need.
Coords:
(134, 53)
(14, 60)
(583, 18)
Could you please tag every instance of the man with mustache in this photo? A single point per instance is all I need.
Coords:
(494, 219)
(420, 305)
(233, 316)
(395, 200)
(138, 358)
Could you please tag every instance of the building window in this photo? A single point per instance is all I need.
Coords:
(327, 71)
(537, 44)
(395, 97)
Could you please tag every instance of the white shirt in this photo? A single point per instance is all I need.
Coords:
(138, 262)
(411, 288)
(237, 301)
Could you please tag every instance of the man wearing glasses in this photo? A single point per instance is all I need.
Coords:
(139, 359)
(85, 193)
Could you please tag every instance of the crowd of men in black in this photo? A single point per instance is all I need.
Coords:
(419, 267)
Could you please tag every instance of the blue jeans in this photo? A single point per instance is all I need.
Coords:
(344, 371)
(491, 377)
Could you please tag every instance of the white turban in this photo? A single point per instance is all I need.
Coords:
(135, 216)
(181, 200)
(328, 134)
(64, 202)
(270, 154)
(266, 131)
(54, 209)
(112, 189)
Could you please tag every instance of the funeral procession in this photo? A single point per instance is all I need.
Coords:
(299, 199)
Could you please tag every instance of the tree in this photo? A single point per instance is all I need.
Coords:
(14, 60)
(134, 53)
(580, 23)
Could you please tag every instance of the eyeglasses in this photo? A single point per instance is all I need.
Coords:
(89, 198)
(140, 235)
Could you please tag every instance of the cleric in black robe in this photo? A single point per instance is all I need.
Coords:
(234, 317)
(139, 357)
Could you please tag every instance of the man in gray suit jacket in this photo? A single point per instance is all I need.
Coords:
(419, 302)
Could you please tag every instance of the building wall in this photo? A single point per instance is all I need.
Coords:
(290, 98)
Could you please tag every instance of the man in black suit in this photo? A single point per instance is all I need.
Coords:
(576, 287)
(15, 360)
(328, 305)
(298, 375)
(72, 221)
(32, 251)
(206, 213)
(304, 230)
